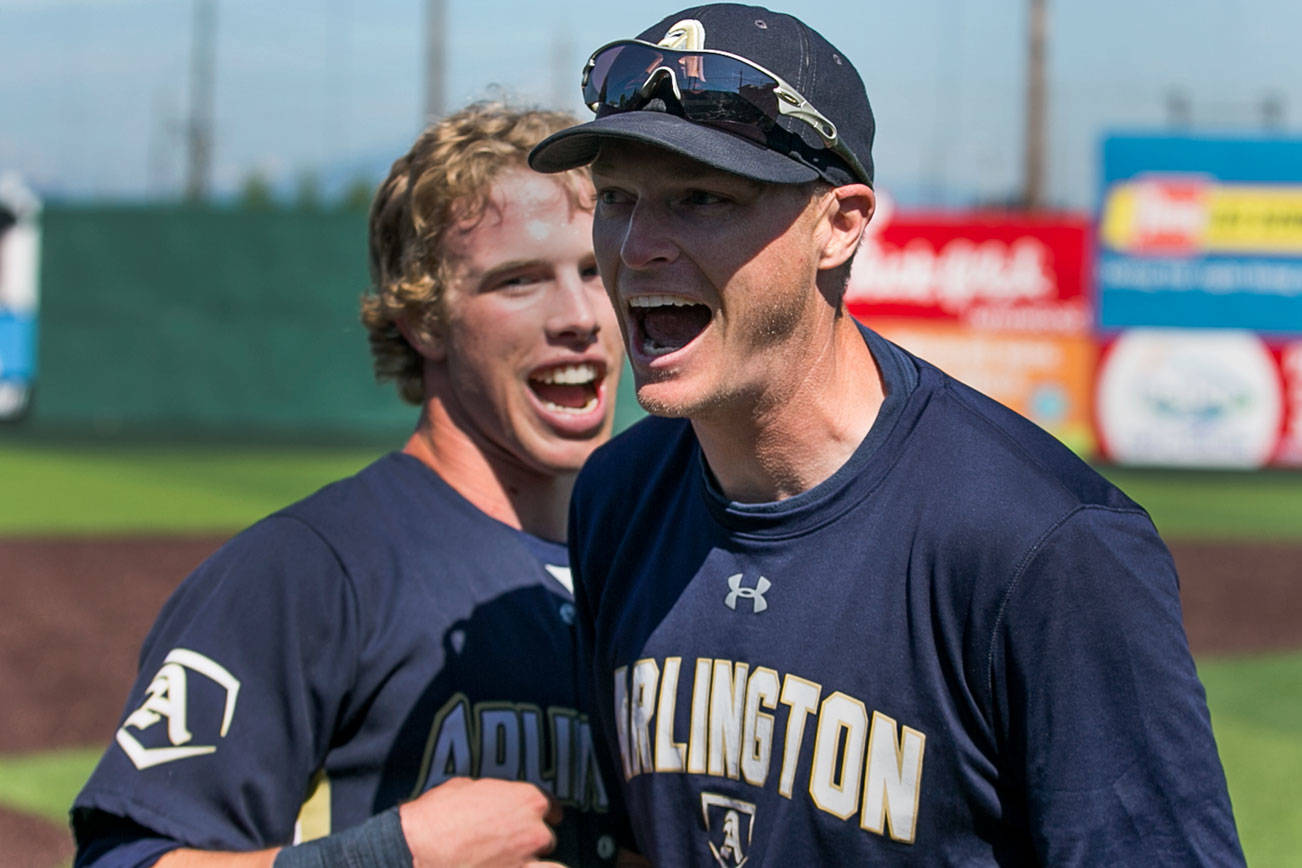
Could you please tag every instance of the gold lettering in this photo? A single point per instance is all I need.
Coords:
(801, 697)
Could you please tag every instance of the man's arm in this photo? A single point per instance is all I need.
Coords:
(186, 858)
(461, 822)
(1104, 723)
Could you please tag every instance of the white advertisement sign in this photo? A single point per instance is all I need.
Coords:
(1189, 398)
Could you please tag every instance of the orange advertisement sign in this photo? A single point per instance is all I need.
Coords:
(1048, 378)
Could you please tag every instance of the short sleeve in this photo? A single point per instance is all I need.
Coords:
(107, 841)
(1102, 720)
(241, 681)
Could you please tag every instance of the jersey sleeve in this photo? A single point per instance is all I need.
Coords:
(241, 681)
(1103, 722)
(115, 842)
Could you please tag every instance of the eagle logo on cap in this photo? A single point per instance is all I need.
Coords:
(686, 35)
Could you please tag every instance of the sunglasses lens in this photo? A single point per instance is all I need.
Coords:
(713, 88)
(618, 73)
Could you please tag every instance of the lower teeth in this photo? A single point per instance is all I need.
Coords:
(561, 408)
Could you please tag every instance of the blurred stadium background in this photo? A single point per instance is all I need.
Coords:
(1091, 211)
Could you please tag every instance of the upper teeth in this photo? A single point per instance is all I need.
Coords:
(659, 301)
(569, 375)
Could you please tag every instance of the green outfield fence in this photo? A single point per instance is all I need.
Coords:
(177, 320)
(180, 321)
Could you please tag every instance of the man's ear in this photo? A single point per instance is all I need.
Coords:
(425, 337)
(849, 208)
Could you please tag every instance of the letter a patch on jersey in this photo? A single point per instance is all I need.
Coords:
(729, 823)
(159, 731)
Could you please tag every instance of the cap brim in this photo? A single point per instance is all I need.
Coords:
(579, 145)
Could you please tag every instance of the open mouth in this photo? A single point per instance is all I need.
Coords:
(666, 323)
(568, 388)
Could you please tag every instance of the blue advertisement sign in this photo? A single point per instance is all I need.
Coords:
(19, 291)
(1200, 232)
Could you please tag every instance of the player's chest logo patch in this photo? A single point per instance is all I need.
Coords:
(160, 730)
(729, 825)
(738, 591)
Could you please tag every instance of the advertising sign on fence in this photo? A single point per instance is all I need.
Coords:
(1289, 355)
(1046, 377)
(1000, 301)
(1201, 233)
(986, 270)
(1193, 398)
(19, 268)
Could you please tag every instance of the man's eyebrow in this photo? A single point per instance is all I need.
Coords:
(601, 165)
(508, 267)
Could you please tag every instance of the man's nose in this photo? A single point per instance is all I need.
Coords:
(646, 237)
(573, 313)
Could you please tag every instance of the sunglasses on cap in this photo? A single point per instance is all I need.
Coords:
(716, 88)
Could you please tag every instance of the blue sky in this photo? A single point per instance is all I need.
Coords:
(92, 92)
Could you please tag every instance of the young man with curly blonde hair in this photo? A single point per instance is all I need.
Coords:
(382, 673)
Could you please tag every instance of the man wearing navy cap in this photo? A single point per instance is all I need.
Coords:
(839, 608)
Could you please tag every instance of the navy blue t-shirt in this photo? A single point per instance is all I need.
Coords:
(340, 657)
(965, 647)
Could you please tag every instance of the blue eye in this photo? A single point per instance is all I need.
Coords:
(703, 197)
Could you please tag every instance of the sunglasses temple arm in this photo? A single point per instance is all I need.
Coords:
(809, 115)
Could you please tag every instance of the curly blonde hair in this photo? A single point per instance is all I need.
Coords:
(444, 180)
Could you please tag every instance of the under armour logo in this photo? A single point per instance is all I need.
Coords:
(755, 594)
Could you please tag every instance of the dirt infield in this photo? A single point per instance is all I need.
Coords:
(31, 842)
(76, 612)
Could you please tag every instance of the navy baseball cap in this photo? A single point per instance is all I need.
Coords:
(785, 146)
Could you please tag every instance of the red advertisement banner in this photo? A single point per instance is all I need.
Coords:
(990, 271)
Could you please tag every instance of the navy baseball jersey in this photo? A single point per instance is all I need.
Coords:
(965, 647)
(342, 656)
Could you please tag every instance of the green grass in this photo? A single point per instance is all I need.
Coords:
(109, 488)
(131, 488)
(44, 783)
(1256, 706)
(1217, 504)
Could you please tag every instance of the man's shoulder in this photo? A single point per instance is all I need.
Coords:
(394, 499)
(330, 533)
(985, 443)
(350, 499)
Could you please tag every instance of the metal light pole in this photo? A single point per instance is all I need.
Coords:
(1033, 185)
(435, 59)
(199, 128)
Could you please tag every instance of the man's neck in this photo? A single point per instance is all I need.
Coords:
(790, 442)
(498, 486)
